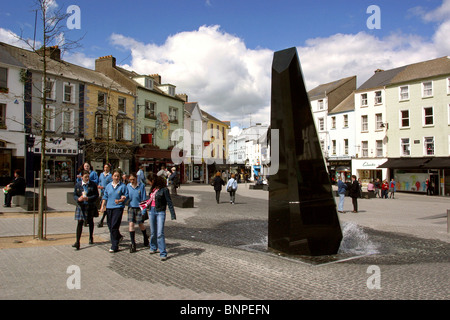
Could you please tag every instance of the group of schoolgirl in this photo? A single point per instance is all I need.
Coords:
(114, 195)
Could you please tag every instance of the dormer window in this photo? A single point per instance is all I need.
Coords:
(148, 83)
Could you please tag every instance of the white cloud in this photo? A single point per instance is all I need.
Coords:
(232, 82)
(214, 68)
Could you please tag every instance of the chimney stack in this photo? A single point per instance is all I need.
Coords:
(104, 63)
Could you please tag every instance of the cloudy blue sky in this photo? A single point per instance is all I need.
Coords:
(219, 52)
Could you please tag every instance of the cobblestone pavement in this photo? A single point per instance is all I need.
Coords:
(392, 249)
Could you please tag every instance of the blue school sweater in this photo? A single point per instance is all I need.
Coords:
(136, 195)
(111, 194)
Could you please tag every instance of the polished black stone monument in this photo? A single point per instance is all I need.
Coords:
(302, 211)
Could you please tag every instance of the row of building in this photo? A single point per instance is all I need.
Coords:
(395, 125)
(107, 115)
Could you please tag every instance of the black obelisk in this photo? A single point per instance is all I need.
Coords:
(302, 211)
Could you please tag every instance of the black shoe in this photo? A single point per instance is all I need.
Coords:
(146, 242)
(76, 245)
(91, 240)
(133, 248)
(7, 206)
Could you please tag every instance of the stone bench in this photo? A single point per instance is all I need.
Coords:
(26, 201)
(182, 201)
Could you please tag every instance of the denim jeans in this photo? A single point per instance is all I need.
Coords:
(341, 201)
(157, 239)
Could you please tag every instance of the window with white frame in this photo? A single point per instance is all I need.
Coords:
(405, 147)
(364, 102)
(364, 124)
(102, 125)
(102, 100)
(322, 145)
(321, 124)
(427, 89)
(49, 118)
(68, 121)
(379, 121)
(404, 118)
(333, 147)
(346, 146)
(50, 89)
(148, 83)
(122, 104)
(379, 144)
(345, 120)
(333, 122)
(378, 97)
(428, 117)
(150, 110)
(69, 92)
(173, 114)
(123, 129)
(404, 93)
(365, 148)
(428, 143)
(320, 104)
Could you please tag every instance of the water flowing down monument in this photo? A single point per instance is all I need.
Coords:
(302, 211)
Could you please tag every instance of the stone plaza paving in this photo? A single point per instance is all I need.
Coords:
(392, 249)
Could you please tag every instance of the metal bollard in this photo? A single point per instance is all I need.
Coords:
(448, 221)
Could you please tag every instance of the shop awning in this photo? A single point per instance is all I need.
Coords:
(438, 163)
(417, 163)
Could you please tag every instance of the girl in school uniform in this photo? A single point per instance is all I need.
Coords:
(113, 202)
(137, 194)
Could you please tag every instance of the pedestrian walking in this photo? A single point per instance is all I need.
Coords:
(174, 181)
(342, 189)
(217, 183)
(377, 186)
(104, 179)
(354, 193)
(392, 188)
(232, 188)
(113, 202)
(371, 188)
(384, 189)
(158, 201)
(141, 175)
(15, 188)
(85, 195)
(136, 194)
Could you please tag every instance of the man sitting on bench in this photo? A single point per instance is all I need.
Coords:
(17, 187)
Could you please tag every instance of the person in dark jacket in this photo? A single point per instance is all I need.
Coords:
(354, 193)
(15, 188)
(158, 202)
(217, 183)
(85, 195)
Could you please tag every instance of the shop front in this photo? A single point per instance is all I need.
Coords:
(411, 174)
(368, 170)
(61, 159)
(153, 158)
(118, 155)
(339, 168)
